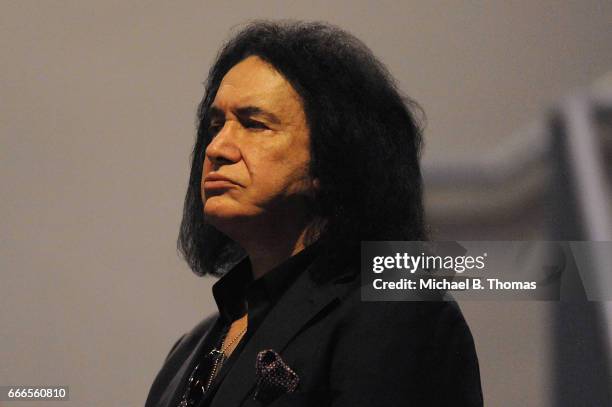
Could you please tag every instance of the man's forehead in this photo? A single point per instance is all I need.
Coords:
(253, 82)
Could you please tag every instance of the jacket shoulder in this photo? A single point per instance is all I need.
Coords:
(401, 352)
(376, 315)
(190, 339)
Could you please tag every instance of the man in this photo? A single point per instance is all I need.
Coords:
(304, 149)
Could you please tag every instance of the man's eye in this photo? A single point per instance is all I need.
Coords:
(253, 124)
(215, 128)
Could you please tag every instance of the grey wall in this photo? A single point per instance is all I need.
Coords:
(97, 121)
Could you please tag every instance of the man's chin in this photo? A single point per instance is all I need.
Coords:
(220, 207)
(225, 217)
(217, 216)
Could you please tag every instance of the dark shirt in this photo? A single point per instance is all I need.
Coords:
(236, 293)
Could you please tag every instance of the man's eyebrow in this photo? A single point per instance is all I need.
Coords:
(216, 113)
(249, 111)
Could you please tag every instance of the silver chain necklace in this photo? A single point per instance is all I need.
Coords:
(219, 356)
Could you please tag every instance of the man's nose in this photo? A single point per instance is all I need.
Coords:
(223, 148)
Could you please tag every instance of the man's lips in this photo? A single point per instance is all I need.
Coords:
(218, 181)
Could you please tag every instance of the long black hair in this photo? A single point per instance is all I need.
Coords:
(365, 142)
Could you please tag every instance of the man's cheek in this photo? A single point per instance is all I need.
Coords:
(206, 166)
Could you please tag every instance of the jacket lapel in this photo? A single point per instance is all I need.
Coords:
(302, 302)
(175, 388)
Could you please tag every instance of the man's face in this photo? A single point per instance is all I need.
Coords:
(258, 159)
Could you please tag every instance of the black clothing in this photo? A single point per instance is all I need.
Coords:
(236, 294)
(346, 352)
(237, 289)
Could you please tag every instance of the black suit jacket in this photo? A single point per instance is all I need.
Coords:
(346, 352)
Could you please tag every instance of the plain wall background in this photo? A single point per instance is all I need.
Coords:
(97, 110)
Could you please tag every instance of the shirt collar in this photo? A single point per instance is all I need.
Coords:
(237, 288)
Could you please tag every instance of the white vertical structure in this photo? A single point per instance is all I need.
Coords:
(586, 161)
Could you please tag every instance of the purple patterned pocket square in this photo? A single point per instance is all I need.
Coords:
(274, 376)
